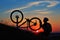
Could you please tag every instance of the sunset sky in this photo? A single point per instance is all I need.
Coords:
(32, 8)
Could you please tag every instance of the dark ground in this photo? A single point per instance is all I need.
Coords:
(8, 32)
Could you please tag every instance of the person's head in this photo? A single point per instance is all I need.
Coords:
(45, 19)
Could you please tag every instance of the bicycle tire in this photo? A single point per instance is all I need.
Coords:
(39, 24)
(12, 14)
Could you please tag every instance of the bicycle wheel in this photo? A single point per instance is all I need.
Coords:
(11, 15)
(33, 22)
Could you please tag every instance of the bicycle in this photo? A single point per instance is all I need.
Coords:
(29, 21)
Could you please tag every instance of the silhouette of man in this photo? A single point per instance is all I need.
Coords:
(47, 28)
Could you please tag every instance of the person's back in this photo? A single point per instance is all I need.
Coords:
(47, 27)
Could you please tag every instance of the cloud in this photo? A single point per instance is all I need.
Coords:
(42, 11)
(52, 4)
(27, 6)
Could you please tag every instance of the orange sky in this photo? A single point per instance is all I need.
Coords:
(55, 25)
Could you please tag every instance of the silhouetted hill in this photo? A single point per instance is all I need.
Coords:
(14, 33)
(9, 32)
(54, 36)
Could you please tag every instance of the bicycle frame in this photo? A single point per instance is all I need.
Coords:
(28, 21)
